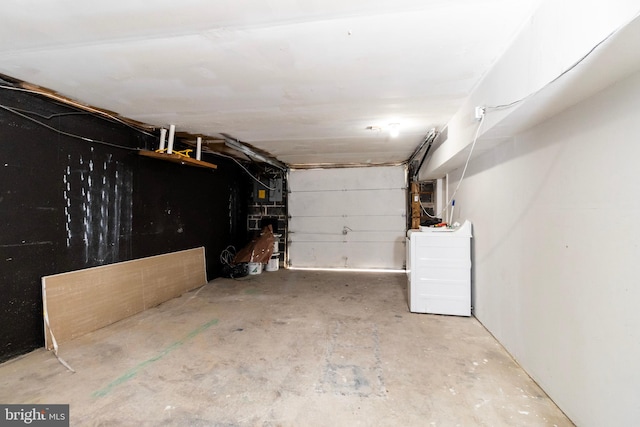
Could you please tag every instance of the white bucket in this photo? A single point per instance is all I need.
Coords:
(255, 268)
(275, 243)
(274, 262)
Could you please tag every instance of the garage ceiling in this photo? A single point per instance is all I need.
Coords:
(308, 81)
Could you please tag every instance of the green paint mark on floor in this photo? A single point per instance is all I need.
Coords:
(140, 366)
(252, 291)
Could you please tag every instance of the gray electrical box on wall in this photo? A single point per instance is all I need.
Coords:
(275, 195)
(259, 193)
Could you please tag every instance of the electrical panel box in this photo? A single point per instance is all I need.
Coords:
(260, 193)
(264, 194)
(275, 195)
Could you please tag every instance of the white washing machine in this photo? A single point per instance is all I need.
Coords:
(439, 270)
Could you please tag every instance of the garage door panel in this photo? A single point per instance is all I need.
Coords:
(371, 178)
(352, 237)
(347, 255)
(327, 203)
(356, 223)
(347, 218)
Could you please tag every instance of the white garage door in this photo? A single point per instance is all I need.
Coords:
(347, 218)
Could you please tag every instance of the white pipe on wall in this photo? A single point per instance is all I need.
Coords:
(198, 148)
(163, 137)
(439, 199)
(172, 133)
(445, 214)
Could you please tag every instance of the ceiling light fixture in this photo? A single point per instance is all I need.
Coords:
(394, 130)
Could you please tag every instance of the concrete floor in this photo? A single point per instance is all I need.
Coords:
(290, 348)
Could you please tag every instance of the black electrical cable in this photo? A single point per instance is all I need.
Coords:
(90, 110)
(51, 116)
(421, 145)
(83, 138)
(426, 153)
(71, 135)
(574, 65)
(215, 153)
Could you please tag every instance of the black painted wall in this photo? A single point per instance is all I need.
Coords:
(67, 204)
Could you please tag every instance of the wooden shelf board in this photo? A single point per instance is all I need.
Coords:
(176, 158)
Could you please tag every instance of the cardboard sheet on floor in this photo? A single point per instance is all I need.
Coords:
(82, 301)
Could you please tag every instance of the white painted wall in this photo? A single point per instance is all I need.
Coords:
(556, 213)
(557, 35)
